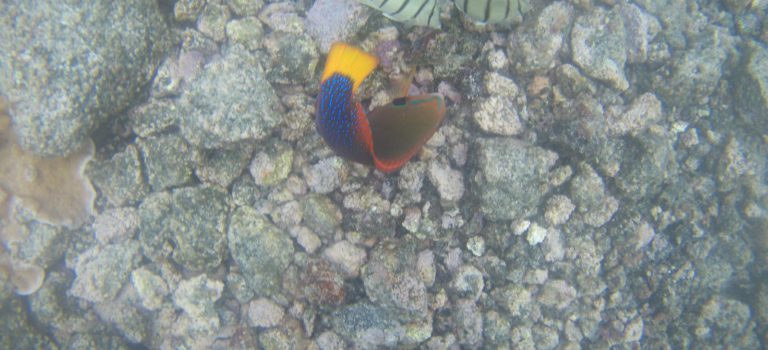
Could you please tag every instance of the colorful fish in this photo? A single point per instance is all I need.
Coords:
(388, 136)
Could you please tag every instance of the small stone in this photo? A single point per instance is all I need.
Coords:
(197, 296)
(292, 58)
(512, 178)
(264, 313)
(247, 31)
(168, 160)
(644, 111)
(449, 182)
(307, 239)
(367, 326)
(150, 287)
(322, 284)
(598, 42)
(326, 175)
(591, 198)
(245, 7)
(282, 17)
(223, 165)
(536, 47)
(261, 250)
(102, 271)
(348, 17)
(120, 179)
(425, 264)
(497, 115)
(536, 234)
(633, 331)
(347, 257)
(213, 20)
(476, 245)
(391, 279)
(520, 226)
(558, 210)
(230, 101)
(468, 282)
(329, 340)
(321, 214)
(468, 323)
(644, 234)
(272, 165)
(187, 10)
(115, 225)
(557, 293)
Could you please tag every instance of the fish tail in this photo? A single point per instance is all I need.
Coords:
(349, 61)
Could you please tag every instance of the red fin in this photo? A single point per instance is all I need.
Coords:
(400, 128)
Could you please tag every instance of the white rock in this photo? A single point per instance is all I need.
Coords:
(347, 257)
(536, 234)
(264, 313)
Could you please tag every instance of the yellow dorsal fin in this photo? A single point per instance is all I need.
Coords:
(349, 61)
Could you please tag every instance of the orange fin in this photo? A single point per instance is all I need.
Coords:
(349, 61)
(400, 128)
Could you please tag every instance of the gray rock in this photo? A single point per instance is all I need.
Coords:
(321, 214)
(592, 199)
(726, 322)
(154, 116)
(230, 101)
(329, 21)
(545, 338)
(150, 288)
(751, 87)
(187, 10)
(245, 7)
(197, 295)
(168, 161)
(697, 71)
(598, 40)
(292, 58)
(496, 329)
(119, 179)
(535, 48)
(367, 326)
(19, 332)
(261, 250)
(650, 166)
(512, 177)
(468, 282)
(264, 313)
(213, 19)
(468, 323)
(115, 225)
(558, 210)
(221, 166)
(392, 281)
(449, 182)
(102, 271)
(642, 28)
(347, 257)
(326, 175)
(247, 31)
(498, 115)
(271, 165)
(193, 219)
(69, 68)
(127, 319)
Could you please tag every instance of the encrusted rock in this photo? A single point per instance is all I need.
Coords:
(230, 101)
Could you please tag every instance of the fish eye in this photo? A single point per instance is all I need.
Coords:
(400, 101)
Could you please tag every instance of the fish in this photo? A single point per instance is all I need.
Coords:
(418, 12)
(493, 11)
(427, 12)
(388, 136)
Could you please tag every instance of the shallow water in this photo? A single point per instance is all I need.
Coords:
(599, 179)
